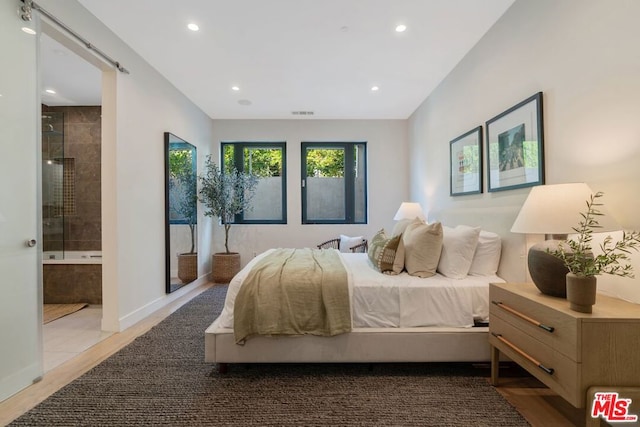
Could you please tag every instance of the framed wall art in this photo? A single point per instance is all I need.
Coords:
(465, 153)
(515, 146)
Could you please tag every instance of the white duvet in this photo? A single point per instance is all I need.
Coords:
(402, 301)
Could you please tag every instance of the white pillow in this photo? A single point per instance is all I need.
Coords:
(458, 246)
(346, 242)
(487, 256)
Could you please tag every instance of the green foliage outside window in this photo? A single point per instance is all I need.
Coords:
(180, 162)
(267, 162)
(261, 162)
(325, 162)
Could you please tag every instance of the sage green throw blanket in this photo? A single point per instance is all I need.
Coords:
(294, 292)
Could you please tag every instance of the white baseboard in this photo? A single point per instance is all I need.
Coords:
(135, 316)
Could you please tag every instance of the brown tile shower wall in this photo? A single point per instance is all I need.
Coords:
(82, 142)
(72, 283)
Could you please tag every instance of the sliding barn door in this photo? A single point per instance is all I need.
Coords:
(20, 271)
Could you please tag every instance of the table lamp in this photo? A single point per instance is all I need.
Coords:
(554, 210)
(409, 210)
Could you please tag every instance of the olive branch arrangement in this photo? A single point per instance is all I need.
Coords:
(579, 258)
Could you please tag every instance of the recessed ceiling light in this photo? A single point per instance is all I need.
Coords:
(374, 88)
(193, 27)
(236, 88)
(28, 30)
(51, 91)
(401, 28)
(244, 102)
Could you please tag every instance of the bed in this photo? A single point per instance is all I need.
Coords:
(389, 320)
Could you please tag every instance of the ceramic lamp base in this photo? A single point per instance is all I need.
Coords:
(547, 272)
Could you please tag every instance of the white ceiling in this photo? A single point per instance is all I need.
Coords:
(301, 55)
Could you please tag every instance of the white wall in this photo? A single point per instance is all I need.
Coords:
(583, 55)
(137, 109)
(387, 178)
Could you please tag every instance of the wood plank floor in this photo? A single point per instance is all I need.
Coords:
(539, 405)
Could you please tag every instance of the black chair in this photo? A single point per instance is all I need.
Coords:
(362, 247)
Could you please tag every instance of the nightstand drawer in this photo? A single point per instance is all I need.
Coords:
(584, 349)
(554, 328)
(551, 367)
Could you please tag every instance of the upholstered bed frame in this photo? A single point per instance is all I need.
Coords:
(426, 344)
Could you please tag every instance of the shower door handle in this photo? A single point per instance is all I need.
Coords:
(31, 243)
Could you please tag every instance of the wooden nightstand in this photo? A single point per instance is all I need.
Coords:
(566, 350)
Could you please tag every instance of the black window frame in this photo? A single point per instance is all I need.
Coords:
(238, 154)
(349, 179)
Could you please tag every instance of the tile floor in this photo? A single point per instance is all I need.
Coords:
(70, 335)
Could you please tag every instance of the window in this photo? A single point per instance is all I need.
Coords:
(334, 183)
(267, 160)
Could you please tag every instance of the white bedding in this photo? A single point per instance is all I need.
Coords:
(380, 300)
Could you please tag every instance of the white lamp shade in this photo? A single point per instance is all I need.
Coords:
(409, 210)
(555, 209)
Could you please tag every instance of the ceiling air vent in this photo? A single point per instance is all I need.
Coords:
(302, 113)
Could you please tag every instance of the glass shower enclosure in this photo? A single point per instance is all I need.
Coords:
(54, 182)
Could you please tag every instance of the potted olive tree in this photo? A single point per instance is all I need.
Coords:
(584, 265)
(183, 195)
(225, 194)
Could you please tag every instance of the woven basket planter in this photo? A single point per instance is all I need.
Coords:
(224, 266)
(187, 267)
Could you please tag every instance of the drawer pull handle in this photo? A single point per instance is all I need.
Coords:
(549, 329)
(549, 371)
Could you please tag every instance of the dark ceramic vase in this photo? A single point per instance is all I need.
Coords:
(581, 292)
(547, 272)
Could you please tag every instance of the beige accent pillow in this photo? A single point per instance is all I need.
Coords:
(402, 225)
(398, 229)
(398, 261)
(422, 246)
(382, 251)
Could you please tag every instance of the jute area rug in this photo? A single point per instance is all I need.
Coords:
(161, 379)
(51, 312)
